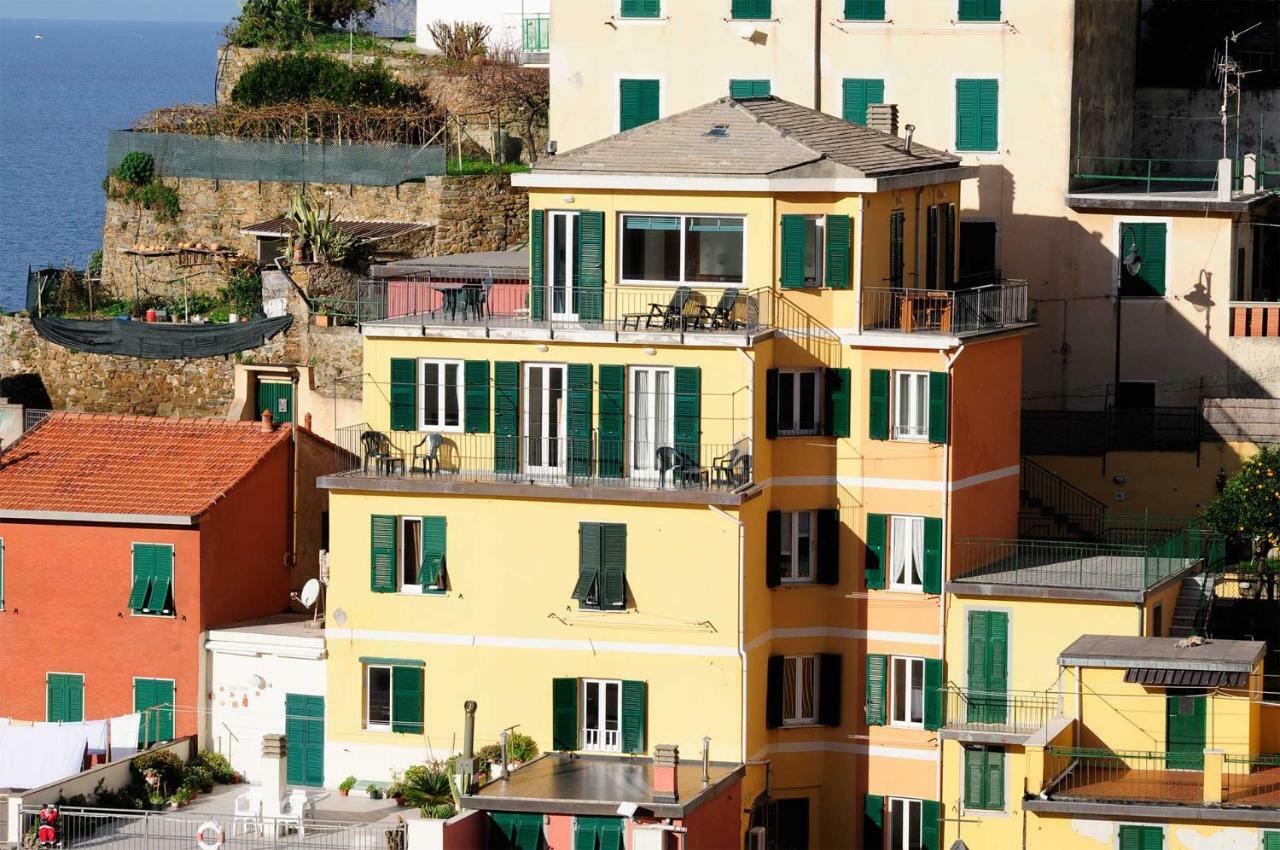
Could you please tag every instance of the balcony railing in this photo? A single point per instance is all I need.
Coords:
(1143, 175)
(1251, 781)
(983, 308)
(536, 34)
(593, 460)
(1123, 776)
(1255, 319)
(1010, 712)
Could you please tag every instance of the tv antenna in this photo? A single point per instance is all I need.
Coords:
(308, 597)
(1231, 76)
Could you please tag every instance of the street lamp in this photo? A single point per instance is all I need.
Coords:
(1131, 263)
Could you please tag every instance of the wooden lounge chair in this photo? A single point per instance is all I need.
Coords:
(665, 316)
(721, 316)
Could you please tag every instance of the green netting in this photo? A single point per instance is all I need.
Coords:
(221, 158)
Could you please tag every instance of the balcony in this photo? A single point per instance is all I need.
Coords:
(1255, 319)
(960, 312)
(1075, 775)
(996, 717)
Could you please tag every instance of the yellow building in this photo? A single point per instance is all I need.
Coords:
(697, 477)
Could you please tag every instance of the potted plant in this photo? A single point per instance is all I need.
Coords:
(323, 319)
(521, 749)
(373, 791)
(428, 788)
(345, 786)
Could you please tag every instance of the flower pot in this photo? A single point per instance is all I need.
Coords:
(342, 792)
(323, 320)
(400, 800)
(297, 252)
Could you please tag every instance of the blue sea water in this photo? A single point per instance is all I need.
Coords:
(59, 95)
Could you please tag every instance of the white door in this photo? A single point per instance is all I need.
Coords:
(652, 405)
(563, 265)
(544, 418)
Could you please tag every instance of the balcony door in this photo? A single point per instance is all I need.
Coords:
(545, 448)
(652, 405)
(1184, 731)
(988, 662)
(565, 240)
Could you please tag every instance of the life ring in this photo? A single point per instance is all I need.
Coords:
(219, 837)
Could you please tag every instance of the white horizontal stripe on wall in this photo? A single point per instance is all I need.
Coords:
(845, 634)
(435, 639)
(907, 753)
(916, 484)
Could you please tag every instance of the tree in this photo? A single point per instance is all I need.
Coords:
(514, 93)
(1248, 508)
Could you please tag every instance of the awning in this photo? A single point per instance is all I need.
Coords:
(1185, 678)
(360, 231)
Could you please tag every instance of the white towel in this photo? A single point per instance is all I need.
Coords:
(124, 735)
(95, 734)
(34, 756)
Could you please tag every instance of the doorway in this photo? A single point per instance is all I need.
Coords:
(304, 731)
(979, 261)
(544, 418)
(652, 406)
(565, 240)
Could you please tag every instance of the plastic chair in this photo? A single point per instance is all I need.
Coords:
(247, 813)
(428, 459)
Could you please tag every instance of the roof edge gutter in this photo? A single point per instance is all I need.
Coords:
(112, 519)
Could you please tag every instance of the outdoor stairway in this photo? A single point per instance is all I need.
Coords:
(1050, 507)
(1189, 595)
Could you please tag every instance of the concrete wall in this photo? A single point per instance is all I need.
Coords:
(1185, 122)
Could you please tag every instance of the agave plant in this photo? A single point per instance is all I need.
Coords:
(429, 788)
(317, 230)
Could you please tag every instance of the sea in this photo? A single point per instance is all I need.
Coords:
(63, 85)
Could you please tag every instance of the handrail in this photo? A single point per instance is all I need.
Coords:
(1061, 497)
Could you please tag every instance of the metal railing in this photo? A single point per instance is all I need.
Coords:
(960, 311)
(1123, 776)
(32, 417)
(133, 830)
(1252, 781)
(596, 459)
(536, 33)
(1138, 174)
(1016, 712)
(1092, 432)
(1065, 503)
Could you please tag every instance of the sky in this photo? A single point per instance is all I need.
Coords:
(122, 10)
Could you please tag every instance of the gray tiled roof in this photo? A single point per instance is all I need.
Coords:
(764, 137)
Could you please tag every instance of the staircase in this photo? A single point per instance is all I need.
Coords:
(1195, 599)
(1050, 507)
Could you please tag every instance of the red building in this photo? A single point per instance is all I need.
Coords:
(122, 540)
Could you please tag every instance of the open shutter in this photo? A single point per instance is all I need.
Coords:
(564, 715)
(938, 392)
(406, 700)
(874, 567)
(589, 557)
(828, 566)
(773, 693)
(633, 711)
(793, 252)
(537, 264)
(613, 565)
(476, 380)
(771, 404)
(688, 406)
(933, 693)
(578, 416)
(506, 417)
(877, 675)
(873, 821)
(610, 830)
(584, 833)
(142, 573)
(590, 265)
(837, 403)
(404, 394)
(933, 555)
(382, 554)
(994, 778)
(930, 824)
(161, 579)
(949, 248)
(878, 405)
(773, 549)
(830, 688)
(612, 444)
(838, 230)
(433, 552)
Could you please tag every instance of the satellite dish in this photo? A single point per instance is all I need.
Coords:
(310, 593)
(340, 617)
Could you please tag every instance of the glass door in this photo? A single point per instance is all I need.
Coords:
(652, 406)
(563, 278)
(544, 418)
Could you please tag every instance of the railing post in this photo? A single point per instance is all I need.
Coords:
(1214, 761)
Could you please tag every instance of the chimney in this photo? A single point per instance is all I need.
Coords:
(906, 143)
(883, 117)
(1248, 179)
(1226, 177)
(468, 742)
(666, 767)
(275, 782)
(268, 425)
(306, 422)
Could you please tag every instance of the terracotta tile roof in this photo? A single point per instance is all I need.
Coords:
(108, 464)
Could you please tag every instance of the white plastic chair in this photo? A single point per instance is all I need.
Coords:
(248, 813)
(294, 810)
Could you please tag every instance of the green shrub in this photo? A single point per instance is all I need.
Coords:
(374, 792)
(427, 786)
(161, 200)
(285, 24)
(521, 748)
(167, 765)
(243, 290)
(301, 77)
(95, 264)
(198, 776)
(137, 168)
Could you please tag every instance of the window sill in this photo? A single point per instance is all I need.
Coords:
(692, 284)
(800, 433)
(800, 724)
(421, 591)
(905, 438)
(150, 616)
(798, 582)
(917, 726)
(906, 588)
(592, 609)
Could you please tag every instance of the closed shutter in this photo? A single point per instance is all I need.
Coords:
(998, 643)
(564, 715)
(589, 539)
(966, 108)
(506, 417)
(1151, 240)
(1141, 837)
(975, 777)
(640, 8)
(793, 251)
(773, 693)
(406, 700)
(517, 831)
(977, 115)
(537, 264)
(295, 733)
(930, 824)
(933, 693)
(897, 251)
(161, 580)
(639, 103)
(382, 554)
(476, 380)
(939, 384)
(864, 10)
(931, 248)
(877, 677)
(995, 778)
(773, 549)
(433, 552)
(979, 10)
(612, 445)
(143, 560)
(578, 416)
(878, 405)
(837, 403)
(158, 721)
(874, 566)
(1271, 841)
(404, 394)
(633, 715)
(143, 700)
(64, 695)
(688, 408)
(746, 89)
(828, 555)
(613, 565)
(859, 94)
(838, 232)
(590, 265)
(752, 10)
(873, 821)
(933, 555)
(830, 688)
(978, 680)
(771, 404)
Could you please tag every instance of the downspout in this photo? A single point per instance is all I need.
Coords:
(817, 55)
(292, 559)
(751, 397)
(946, 513)
(742, 604)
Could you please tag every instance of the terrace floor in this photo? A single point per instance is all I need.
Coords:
(1118, 577)
(1259, 789)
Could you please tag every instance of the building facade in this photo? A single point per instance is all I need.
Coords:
(522, 26)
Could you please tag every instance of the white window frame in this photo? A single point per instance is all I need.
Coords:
(680, 281)
(602, 743)
(914, 811)
(894, 583)
(661, 19)
(914, 677)
(792, 429)
(401, 538)
(526, 412)
(423, 424)
(791, 545)
(797, 718)
(633, 403)
(819, 261)
(369, 725)
(1117, 241)
(980, 156)
(917, 402)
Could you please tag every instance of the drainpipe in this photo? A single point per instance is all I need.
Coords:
(817, 55)
(946, 515)
(742, 650)
(293, 501)
(751, 398)
(469, 743)
(916, 241)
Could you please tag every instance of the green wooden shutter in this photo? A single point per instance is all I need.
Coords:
(979, 10)
(610, 832)
(537, 264)
(773, 549)
(640, 8)
(979, 683)
(143, 560)
(878, 404)
(949, 248)
(773, 693)
(873, 821)
(590, 266)
(1134, 837)
(639, 103)
(476, 381)
(966, 110)
(752, 10)
(584, 833)
(830, 688)
(975, 777)
(144, 699)
(877, 680)
(837, 398)
(159, 699)
(939, 384)
(612, 444)
(578, 419)
(933, 555)
(564, 715)
(998, 648)
(864, 10)
(64, 697)
(613, 565)
(295, 733)
(633, 713)
(434, 544)
(994, 778)
(382, 553)
(747, 89)
(506, 417)
(1271, 840)
(406, 700)
(1151, 241)
(404, 394)
(897, 251)
(828, 561)
(793, 251)
(838, 232)
(771, 404)
(930, 824)
(688, 412)
(161, 580)
(861, 93)
(589, 557)
(933, 693)
(877, 536)
(977, 115)
(932, 232)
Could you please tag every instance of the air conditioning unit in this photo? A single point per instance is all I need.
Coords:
(324, 566)
(756, 838)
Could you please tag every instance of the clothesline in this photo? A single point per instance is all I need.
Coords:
(34, 754)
